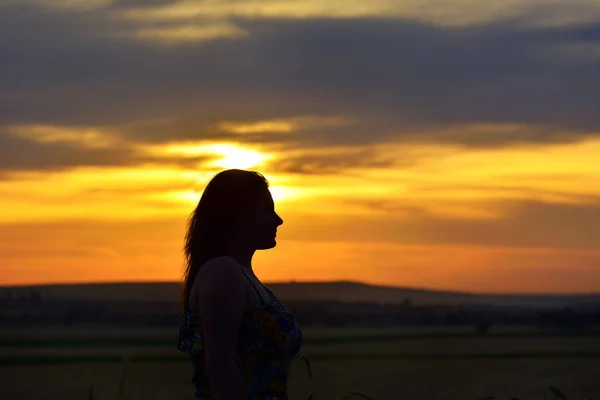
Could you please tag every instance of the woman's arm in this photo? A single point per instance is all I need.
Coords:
(220, 295)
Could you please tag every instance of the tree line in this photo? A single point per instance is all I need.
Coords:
(33, 309)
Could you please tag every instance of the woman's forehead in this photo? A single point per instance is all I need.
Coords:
(267, 197)
(262, 199)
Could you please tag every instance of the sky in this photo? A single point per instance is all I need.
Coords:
(420, 143)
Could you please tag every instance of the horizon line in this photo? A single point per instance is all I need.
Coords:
(294, 281)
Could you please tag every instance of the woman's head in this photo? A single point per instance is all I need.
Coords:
(236, 208)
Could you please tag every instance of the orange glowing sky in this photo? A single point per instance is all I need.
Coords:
(485, 180)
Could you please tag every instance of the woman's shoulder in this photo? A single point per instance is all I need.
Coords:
(219, 282)
(220, 273)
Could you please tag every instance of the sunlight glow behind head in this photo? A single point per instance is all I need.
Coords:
(229, 155)
(237, 157)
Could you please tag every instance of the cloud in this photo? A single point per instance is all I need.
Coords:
(54, 150)
(302, 81)
(456, 13)
(288, 125)
(92, 138)
(66, 5)
(190, 33)
(530, 224)
(398, 74)
(334, 160)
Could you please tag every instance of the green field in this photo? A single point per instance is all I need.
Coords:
(61, 363)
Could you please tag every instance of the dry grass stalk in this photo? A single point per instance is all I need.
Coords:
(557, 393)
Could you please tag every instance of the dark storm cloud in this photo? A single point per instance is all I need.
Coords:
(404, 80)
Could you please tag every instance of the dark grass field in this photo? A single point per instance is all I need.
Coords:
(62, 363)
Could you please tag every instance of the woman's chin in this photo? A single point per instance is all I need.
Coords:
(268, 244)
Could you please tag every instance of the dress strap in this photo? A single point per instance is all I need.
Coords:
(254, 286)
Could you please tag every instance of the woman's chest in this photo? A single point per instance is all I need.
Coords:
(273, 330)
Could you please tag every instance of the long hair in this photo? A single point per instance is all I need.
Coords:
(214, 222)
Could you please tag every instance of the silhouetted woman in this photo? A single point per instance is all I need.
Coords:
(240, 337)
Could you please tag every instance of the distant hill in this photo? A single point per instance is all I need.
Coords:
(360, 292)
(302, 291)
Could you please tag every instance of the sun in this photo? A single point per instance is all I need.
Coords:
(223, 155)
(233, 156)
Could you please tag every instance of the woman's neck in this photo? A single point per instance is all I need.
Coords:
(242, 255)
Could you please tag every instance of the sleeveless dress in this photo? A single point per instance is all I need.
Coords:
(269, 339)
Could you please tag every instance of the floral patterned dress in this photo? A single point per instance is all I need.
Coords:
(269, 339)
